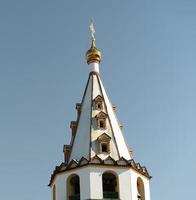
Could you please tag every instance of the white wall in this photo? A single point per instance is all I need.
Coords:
(91, 183)
(61, 183)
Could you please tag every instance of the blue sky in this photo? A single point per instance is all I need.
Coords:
(148, 68)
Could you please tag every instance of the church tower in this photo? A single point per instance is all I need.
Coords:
(97, 163)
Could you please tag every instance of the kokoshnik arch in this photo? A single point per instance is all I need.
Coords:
(97, 162)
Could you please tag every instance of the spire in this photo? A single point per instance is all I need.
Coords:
(98, 132)
(93, 55)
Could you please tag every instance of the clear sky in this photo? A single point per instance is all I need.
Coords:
(148, 68)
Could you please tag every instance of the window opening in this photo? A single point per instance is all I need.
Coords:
(140, 189)
(99, 105)
(74, 188)
(109, 182)
(104, 148)
(102, 124)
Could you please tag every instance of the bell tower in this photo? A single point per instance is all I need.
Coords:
(98, 165)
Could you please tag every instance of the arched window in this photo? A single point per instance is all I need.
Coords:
(99, 105)
(98, 102)
(101, 120)
(140, 189)
(73, 187)
(101, 123)
(54, 193)
(110, 186)
(104, 143)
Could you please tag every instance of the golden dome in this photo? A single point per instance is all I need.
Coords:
(93, 54)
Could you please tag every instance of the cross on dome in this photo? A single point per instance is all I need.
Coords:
(93, 55)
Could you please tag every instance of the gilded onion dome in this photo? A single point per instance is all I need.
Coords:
(93, 55)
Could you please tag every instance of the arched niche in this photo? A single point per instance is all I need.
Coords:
(73, 187)
(110, 185)
(140, 189)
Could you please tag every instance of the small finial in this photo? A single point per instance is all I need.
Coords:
(92, 30)
(93, 55)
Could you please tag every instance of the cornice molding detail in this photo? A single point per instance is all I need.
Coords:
(97, 161)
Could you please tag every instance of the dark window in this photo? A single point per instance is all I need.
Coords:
(99, 105)
(74, 188)
(75, 184)
(104, 147)
(101, 124)
(109, 186)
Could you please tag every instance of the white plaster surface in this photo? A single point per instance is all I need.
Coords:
(121, 145)
(82, 139)
(94, 67)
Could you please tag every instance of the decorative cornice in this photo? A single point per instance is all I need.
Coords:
(97, 161)
(104, 137)
(98, 98)
(101, 115)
